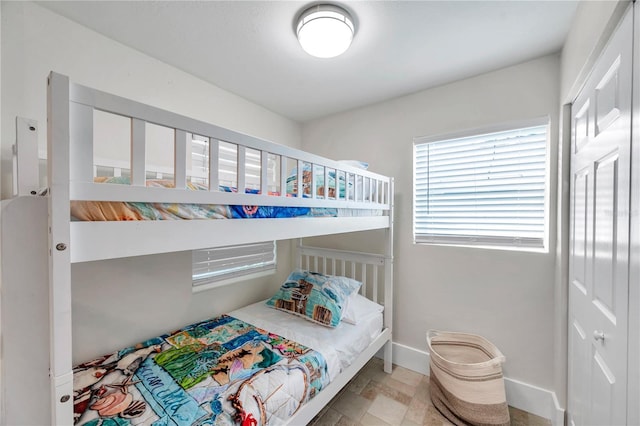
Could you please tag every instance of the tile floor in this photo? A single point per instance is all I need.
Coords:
(374, 398)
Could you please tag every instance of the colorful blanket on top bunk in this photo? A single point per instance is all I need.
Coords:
(222, 371)
(116, 210)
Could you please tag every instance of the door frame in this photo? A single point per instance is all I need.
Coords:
(633, 265)
(633, 366)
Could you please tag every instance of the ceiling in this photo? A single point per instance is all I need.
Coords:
(400, 47)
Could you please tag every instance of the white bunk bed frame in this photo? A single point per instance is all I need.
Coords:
(70, 110)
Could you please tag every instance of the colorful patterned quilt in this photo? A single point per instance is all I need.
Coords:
(222, 371)
(116, 211)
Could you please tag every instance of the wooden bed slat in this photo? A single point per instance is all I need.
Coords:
(264, 172)
(326, 190)
(299, 181)
(214, 165)
(81, 142)
(241, 169)
(180, 159)
(138, 152)
(283, 176)
(374, 280)
(313, 190)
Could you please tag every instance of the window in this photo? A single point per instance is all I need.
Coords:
(486, 189)
(217, 266)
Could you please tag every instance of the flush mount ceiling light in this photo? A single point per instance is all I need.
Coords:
(325, 30)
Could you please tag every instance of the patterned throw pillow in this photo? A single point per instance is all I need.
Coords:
(317, 297)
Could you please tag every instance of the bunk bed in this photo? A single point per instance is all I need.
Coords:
(356, 200)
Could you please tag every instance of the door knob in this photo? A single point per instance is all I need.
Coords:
(598, 335)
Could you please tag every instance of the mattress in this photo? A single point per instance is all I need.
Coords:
(121, 211)
(340, 345)
(234, 368)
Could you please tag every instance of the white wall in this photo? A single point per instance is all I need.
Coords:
(506, 296)
(111, 298)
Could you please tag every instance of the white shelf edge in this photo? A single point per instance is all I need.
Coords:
(109, 240)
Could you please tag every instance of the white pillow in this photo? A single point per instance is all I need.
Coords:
(359, 307)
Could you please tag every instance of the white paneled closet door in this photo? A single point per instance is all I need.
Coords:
(599, 261)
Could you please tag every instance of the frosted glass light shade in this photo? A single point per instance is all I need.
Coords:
(325, 30)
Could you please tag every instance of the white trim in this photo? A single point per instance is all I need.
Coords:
(633, 357)
(534, 399)
(196, 234)
(499, 127)
(232, 280)
(520, 395)
(411, 358)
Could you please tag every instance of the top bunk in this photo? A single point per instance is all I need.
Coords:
(160, 187)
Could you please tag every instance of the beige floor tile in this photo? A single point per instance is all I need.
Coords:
(387, 409)
(346, 421)
(370, 420)
(373, 389)
(374, 372)
(400, 386)
(329, 418)
(417, 411)
(406, 376)
(522, 418)
(402, 398)
(376, 361)
(422, 390)
(351, 405)
(358, 383)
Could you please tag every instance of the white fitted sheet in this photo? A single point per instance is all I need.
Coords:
(340, 345)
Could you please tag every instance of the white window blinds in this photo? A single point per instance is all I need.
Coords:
(487, 189)
(220, 264)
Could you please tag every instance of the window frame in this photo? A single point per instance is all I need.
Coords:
(241, 273)
(489, 242)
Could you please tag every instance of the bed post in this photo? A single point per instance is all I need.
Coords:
(299, 253)
(60, 368)
(388, 283)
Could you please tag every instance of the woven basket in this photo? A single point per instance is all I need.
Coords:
(466, 380)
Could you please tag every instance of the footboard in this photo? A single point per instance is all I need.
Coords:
(375, 271)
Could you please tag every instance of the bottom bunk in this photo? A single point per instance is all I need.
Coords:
(253, 366)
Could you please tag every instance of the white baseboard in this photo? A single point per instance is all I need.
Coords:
(520, 395)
